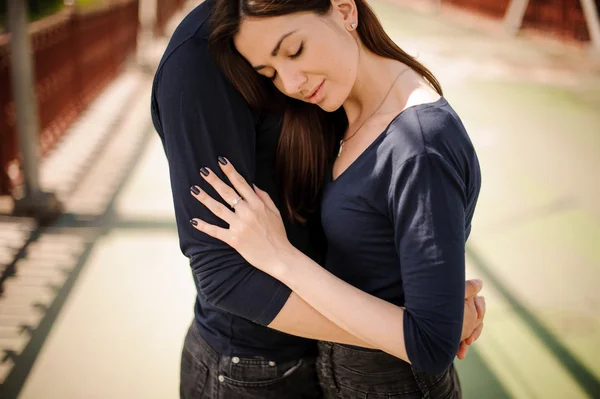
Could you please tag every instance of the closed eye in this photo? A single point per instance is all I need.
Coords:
(293, 57)
(299, 52)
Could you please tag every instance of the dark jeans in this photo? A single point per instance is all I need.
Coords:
(207, 375)
(361, 373)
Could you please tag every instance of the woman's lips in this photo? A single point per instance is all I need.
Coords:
(317, 96)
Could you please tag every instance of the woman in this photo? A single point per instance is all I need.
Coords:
(398, 191)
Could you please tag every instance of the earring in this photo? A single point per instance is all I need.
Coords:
(353, 25)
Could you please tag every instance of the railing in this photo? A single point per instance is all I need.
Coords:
(560, 17)
(494, 8)
(165, 9)
(75, 56)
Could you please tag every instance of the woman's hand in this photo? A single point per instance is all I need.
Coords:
(473, 317)
(256, 229)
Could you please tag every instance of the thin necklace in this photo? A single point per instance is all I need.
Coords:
(343, 141)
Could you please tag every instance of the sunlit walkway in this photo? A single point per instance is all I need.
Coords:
(119, 294)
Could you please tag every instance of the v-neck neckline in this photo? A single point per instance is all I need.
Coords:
(381, 135)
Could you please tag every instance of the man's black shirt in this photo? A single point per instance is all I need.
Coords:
(199, 117)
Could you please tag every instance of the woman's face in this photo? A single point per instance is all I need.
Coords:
(309, 57)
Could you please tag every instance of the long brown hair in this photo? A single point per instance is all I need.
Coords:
(309, 135)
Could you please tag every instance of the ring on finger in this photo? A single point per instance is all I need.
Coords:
(235, 202)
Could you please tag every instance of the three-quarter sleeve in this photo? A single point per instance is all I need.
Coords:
(200, 117)
(426, 201)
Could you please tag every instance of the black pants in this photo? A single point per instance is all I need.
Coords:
(208, 375)
(350, 373)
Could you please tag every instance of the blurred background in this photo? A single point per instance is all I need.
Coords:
(95, 295)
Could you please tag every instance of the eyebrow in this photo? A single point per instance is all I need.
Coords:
(276, 49)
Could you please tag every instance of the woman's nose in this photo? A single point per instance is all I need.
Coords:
(292, 83)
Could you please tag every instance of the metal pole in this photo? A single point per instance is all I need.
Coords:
(22, 87)
(34, 202)
(590, 11)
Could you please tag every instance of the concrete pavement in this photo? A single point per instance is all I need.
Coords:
(531, 108)
(88, 170)
(104, 296)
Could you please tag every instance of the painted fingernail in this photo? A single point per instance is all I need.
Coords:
(193, 222)
(204, 171)
(195, 190)
(223, 161)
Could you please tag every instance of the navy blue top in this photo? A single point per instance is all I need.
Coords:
(200, 116)
(396, 222)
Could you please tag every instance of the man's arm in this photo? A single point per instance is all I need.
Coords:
(193, 110)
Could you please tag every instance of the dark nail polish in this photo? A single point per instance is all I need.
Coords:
(222, 161)
(204, 171)
(193, 222)
(195, 190)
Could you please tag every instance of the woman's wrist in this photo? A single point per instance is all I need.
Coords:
(285, 262)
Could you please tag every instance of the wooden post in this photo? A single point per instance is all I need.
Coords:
(590, 11)
(513, 19)
(147, 13)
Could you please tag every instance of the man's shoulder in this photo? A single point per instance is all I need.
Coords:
(185, 54)
(189, 42)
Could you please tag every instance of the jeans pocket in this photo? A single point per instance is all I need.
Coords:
(344, 392)
(448, 386)
(259, 374)
(297, 380)
(193, 377)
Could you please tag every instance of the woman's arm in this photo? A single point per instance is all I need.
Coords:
(302, 320)
(369, 318)
(257, 232)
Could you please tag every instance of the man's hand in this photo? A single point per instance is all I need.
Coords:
(474, 314)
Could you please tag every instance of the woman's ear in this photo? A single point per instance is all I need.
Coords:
(346, 9)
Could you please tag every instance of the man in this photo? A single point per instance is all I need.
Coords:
(245, 341)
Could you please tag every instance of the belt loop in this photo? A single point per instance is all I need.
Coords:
(421, 383)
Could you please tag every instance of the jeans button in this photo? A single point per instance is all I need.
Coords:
(221, 378)
(235, 360)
